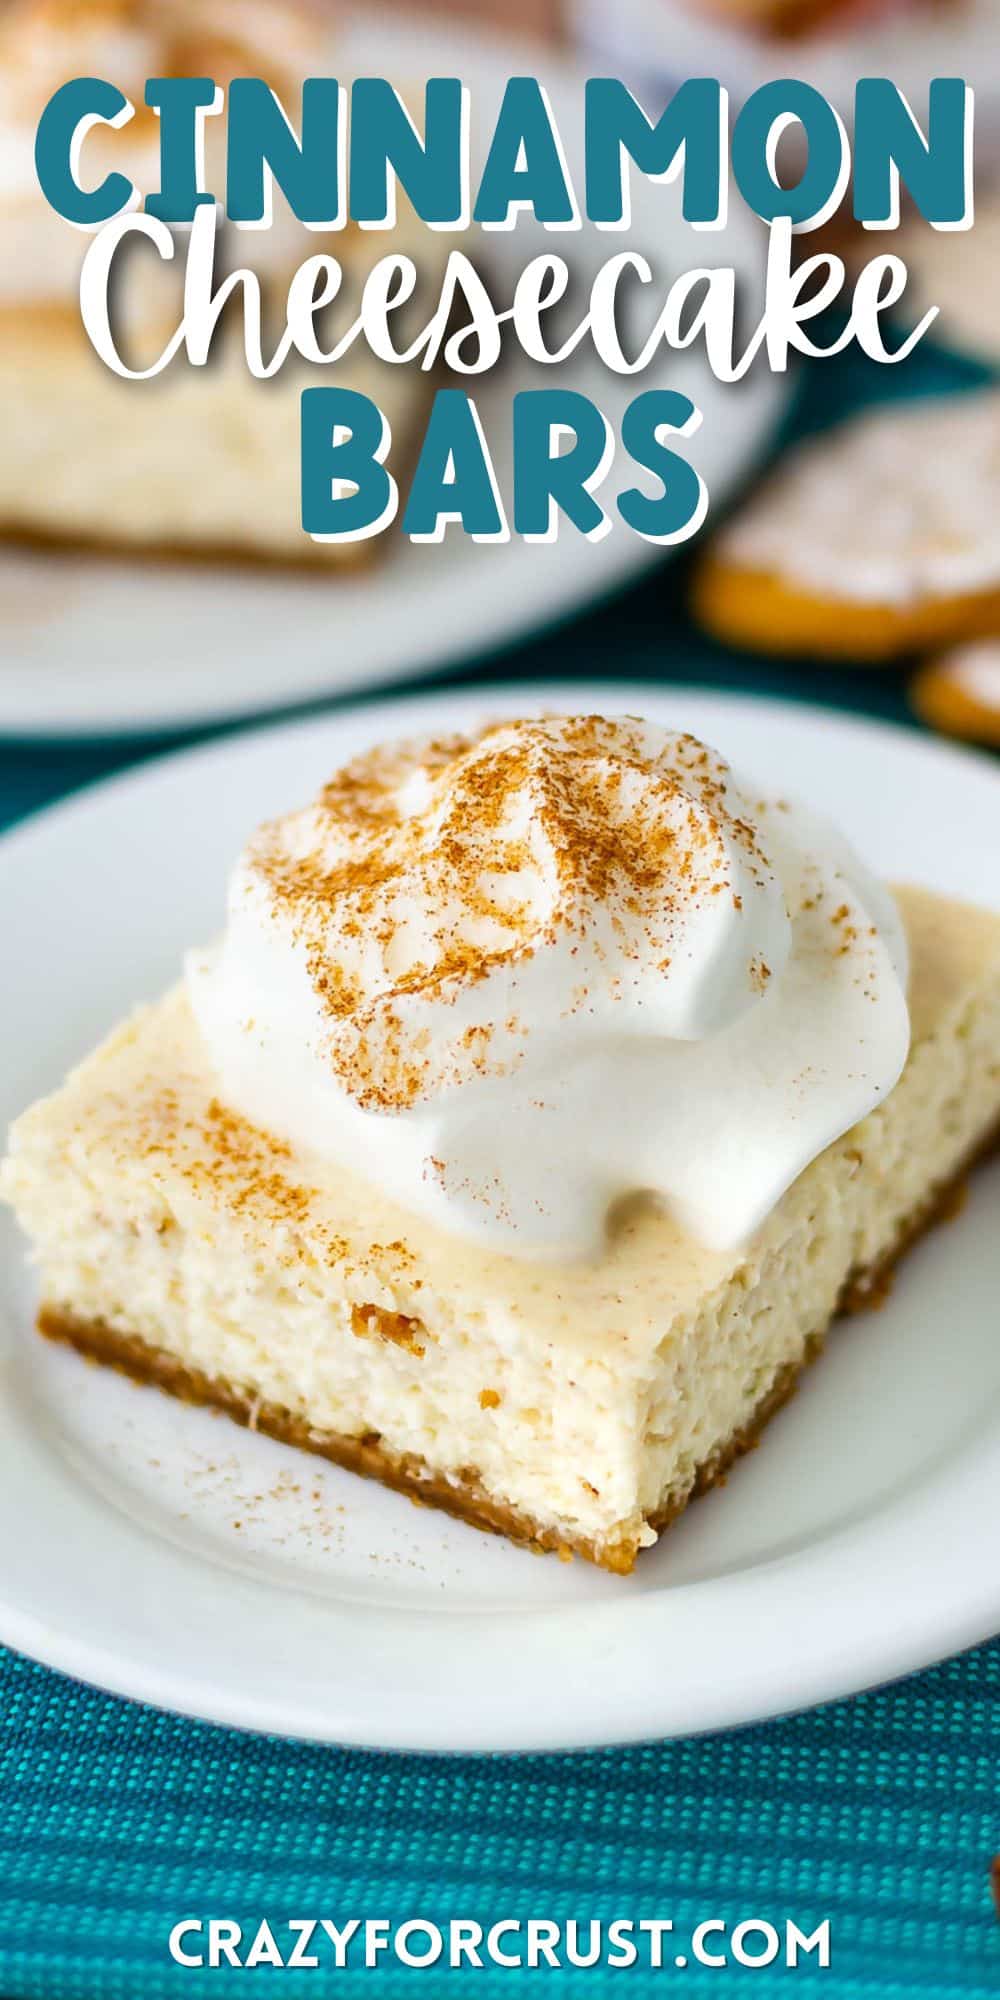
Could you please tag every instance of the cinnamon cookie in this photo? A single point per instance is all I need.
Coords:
(873, 540)
(960, 692)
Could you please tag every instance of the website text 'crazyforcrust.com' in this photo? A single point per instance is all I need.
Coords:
(310, 1943)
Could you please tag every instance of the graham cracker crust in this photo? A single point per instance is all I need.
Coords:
(314, 559)
(463, 1496)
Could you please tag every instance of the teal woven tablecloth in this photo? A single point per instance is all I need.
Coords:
(881, 1814)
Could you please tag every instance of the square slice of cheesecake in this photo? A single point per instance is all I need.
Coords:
(199, 462)
(575, 1408)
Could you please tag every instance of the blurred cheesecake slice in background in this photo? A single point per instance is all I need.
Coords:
(197, 461)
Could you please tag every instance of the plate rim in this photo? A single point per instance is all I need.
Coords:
(964, 1609)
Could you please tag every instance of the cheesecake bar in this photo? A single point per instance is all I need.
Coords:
(576, 1405)
(198, 461)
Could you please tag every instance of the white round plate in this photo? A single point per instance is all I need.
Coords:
(164, 1553)
(100, 646)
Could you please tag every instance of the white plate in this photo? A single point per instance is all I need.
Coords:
(855, 1545)
(100, 647)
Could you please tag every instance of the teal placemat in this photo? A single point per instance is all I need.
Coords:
(880, 1814)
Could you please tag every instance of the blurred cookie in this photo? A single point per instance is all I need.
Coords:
(960, 692)
(879, 538)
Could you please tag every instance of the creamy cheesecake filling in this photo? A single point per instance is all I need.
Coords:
(205, 460)
(525, 976)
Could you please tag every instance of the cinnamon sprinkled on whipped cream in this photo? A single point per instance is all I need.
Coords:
(424, 871)
(518, 976)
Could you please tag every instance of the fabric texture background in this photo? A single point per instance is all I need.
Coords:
(881, 1814)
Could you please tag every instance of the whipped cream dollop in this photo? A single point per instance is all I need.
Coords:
(515, 977)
